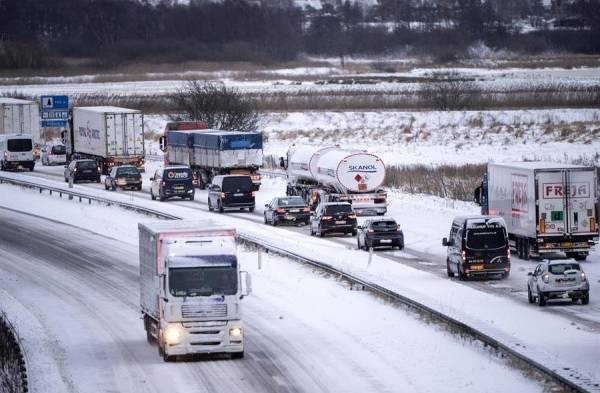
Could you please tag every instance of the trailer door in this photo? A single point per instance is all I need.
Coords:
(120, 130)
(134, 133)
(581, 199)
(111, 139)
(7, 119)
(552, 217)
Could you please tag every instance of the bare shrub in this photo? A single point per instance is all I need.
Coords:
(217, 105)
(450, 92)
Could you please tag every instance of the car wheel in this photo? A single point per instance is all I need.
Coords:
(585, 299)
(251, 209)
(449, 271)
(354, 232)
(357, 244)
(220, 207)
(161, 198)
(113, 187)
(506, 275)
(312, 233)
(265, 218)
(66, 180)
(152, 195)
(321, 233)
(210, 208)
(237, 355)
(98, 179)
(105, 186)
(275, 222)
(461, 276)
(541, 299)
(530, 297)
(191, 197)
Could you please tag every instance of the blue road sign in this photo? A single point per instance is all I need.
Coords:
(54, 111)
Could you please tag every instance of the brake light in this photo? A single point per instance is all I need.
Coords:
(351, 215)
(542, 225)
(508, 253)
(592, 224)
(326, 218)
(306, 210)
(222, 195)
(253, 194)
(280, 210)
(546, 278)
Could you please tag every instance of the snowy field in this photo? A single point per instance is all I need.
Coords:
(435, 138)
(498, 307)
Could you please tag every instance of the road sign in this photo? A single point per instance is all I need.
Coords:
(54, 111)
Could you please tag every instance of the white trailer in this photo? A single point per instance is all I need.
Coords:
(20, 117)
(337, 174)
(190, 288)
(548, 207)
(111, 135)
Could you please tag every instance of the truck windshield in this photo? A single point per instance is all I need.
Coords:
(203, 281)
(16, 145)
(486, 238)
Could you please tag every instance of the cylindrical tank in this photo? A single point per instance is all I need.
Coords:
(344, 170)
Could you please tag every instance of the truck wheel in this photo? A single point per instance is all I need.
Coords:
(237, 355)
(526, 249)
(530, 297)
(449, 271)
(585, 299)
(461, 276)
(577, 256)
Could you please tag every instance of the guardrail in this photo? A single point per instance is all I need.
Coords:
(562, 375)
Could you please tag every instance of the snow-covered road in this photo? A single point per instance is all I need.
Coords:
(73, 290)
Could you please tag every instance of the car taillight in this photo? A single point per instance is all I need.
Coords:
(583, 277)
(546, 278)
(351, 215)
(280, 210)
(306, 210)
(253, 194)
(326, 218)
(222, 195)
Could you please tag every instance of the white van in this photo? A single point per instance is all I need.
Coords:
(16, 152)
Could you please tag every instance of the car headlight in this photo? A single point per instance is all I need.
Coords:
(236, 333)
(173, 334)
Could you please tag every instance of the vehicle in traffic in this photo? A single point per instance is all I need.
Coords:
(333, 217)
(190, 288)
(548, 207)
(558, 280)
(172, 181)
(231, 192)
(477, 246)
(82, 170)
(20, 117)
(125, 176)
(54, 154)
(291, 210)
(380, 232)
(16, 152)
(333, 174)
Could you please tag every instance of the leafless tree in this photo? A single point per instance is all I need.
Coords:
(219, 106)
(450, 92)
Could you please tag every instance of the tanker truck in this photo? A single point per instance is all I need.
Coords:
(332, 174)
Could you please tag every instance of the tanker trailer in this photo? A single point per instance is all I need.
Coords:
(333, 174)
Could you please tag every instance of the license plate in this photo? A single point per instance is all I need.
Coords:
(386, 241)
(88, 171)
(179, 188)
(567, 244)
(294, 210)
(340, 222)
(291, 218)
(476, 267)
(238, 194)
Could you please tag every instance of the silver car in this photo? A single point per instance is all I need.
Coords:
(558, 280)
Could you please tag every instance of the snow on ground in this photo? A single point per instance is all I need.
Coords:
(359, 342)
(425, 221)
(435, 138)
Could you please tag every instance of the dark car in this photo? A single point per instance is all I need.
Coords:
(287, 210)
(126, 176)
(82, 170)
(477, 246)
(231, 192)
(381, 232)
(333, 217)
(172, 181)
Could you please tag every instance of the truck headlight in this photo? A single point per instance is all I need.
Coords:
(173, 334)
(236, 333)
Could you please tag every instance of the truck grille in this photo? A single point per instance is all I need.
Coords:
(204, 310)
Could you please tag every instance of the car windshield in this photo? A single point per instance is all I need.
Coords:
(59, 149)
(177, 174)
(203, 280)
(235, 183)
(342, 208)
(127, 171)
(292, 201)
(16, 145)
(86, 164)
(384, 225)
(563, 267)
(486, 238)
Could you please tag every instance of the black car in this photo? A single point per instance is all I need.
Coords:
(126, 176)
(287, 210)
(172, 181)
(231, 192)
(380, 232)
(477, 246)
(82, 170)
(333, 217)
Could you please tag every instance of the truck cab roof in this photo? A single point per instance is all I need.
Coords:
(199, 228)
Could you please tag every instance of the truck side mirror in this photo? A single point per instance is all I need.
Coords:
(267, 205)
(247, 280)
(152, 178)
(530, 274)
(477, 196)
(162, 145)
(446, 243)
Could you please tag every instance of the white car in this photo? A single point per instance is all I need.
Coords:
(54, 155)
(558, 280)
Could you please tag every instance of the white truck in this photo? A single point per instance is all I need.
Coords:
(20, 117)
(191, 287)
(111, 135)
(332, 174)
(547, 207)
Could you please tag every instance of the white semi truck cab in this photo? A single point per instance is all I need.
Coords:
(191, 287)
